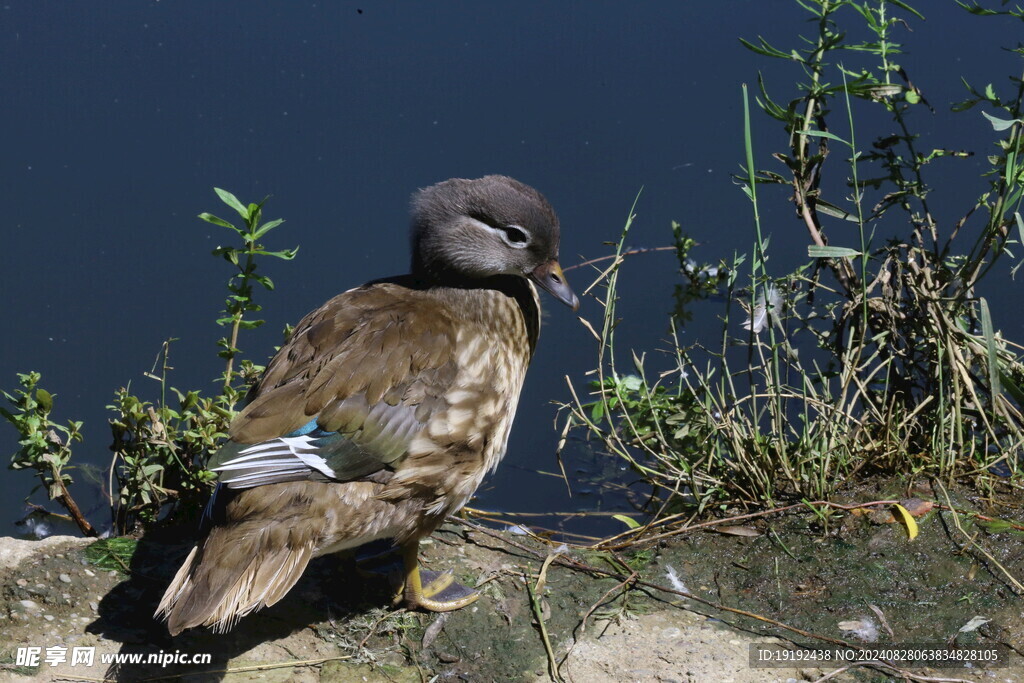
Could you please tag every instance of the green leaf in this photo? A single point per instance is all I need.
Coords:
(45, 400)
(818, 251)
(766, 103)
(631, 383)
(964, 106)
(907, 8)
(232, 201)
(628, 521)
(1009, 384)
(834, 211)
(877, 91)
(998, 526)
(824, 134)
(767, 50)
(287, 254)
(230, 254)
(210, 218)
(999, 124)
(265, 281)
(267, 227)
(867, 14)
(990, 346)
(912, 97)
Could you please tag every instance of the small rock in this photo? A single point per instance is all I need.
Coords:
(48, 617)
(94, 606)
(30, 605)
(64, 578)
(89, 573)
(22, 582)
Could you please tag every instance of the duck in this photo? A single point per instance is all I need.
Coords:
(383, 412)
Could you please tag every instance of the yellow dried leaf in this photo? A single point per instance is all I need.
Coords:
(908, 521)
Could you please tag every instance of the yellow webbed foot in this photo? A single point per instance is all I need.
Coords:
(439, 592)
(434, 583)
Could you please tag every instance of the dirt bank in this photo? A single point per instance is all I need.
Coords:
(337, 625)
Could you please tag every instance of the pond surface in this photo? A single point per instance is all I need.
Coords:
(120, 118)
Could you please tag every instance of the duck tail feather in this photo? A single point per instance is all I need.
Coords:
(214, 589)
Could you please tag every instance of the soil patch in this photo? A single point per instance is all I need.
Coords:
(338, 625)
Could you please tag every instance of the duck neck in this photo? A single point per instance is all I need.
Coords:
(468, 296)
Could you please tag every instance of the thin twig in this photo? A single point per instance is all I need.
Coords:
(600, 600)
(631, 252)
(538, 614)
(1016, 585)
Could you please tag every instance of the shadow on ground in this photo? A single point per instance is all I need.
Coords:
(329, 590)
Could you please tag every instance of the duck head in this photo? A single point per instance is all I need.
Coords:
(465, 230)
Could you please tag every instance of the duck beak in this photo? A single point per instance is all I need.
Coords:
(550, 277)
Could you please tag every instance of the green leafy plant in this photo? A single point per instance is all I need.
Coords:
(159, 449)
(240, 301)
(160, 446)
(877, 356)
(45, 445)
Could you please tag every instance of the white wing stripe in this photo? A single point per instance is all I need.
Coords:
(264, 458)
(258, 456)
(316, 462)
(290, 442)
(286, 463)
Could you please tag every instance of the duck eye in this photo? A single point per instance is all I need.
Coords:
(515, 236)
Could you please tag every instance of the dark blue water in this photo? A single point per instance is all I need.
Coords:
(119, 117)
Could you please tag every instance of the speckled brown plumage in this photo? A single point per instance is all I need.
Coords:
(385, 409)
